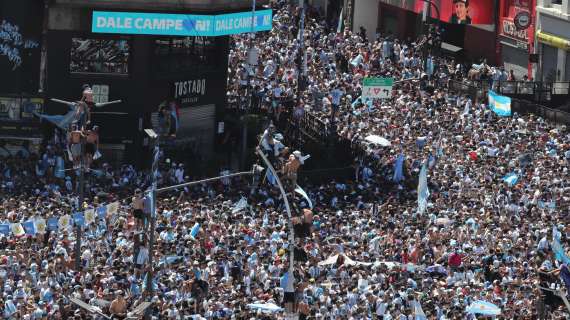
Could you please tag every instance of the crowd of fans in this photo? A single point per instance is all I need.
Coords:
(362, 251)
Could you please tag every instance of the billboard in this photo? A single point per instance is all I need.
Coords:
(472, 12)
(187, 25)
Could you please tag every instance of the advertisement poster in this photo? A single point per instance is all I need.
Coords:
(471, 12)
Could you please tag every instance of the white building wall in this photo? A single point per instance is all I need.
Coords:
(366, 15)
(553, 18)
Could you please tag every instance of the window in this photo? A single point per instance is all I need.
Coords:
(185, 54)
(99, 56)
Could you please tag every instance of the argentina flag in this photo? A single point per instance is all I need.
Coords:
(399, 169)
(423, 192)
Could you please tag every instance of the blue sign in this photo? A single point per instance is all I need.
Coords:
(181, 24)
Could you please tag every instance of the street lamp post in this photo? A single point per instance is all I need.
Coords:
(289, 216)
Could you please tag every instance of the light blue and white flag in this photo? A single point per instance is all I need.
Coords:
(399, 169)
(557, 248)
(418, 311)
(271, 178)
(511, 179)
(501, 105)
(195, 229)
(484, 308)
(423, 192)
(240, 205)
(303, 194)
(265, 307)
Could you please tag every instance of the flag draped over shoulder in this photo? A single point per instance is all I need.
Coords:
(399, 169)
(423, 192)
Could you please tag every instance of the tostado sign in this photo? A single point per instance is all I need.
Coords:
(189, 92)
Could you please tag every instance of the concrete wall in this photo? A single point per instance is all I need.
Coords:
(366, 15)
(198, 5)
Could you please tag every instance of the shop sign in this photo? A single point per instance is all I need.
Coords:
(522, 20)
(377, 88)
(188, 25)
(509, 29)
(16, 108)
(190, 91)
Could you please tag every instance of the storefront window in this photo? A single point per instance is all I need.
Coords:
(185, 54)
(99, 56)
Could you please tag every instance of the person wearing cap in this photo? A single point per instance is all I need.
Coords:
(460, 12)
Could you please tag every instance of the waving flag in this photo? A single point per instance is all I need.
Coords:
(79, 219)
(195, 229)
(418, 311)
(17, 229)
(501, 105)
(240, 205)
(271, 178)
(398, 169)
(5, 229)
(102, 212)
(30, 227)
(113, 208)
(557, 248)
(64, 222)
(484, 308)
(52, 224)
(302, 192)
(511, 179)
(423, 192)
(41, 225)
(89, 216)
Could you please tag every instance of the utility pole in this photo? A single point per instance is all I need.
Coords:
(43, 55)
(81, 187)
(291, 313)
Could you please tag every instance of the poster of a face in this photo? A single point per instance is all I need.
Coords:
(476, 12)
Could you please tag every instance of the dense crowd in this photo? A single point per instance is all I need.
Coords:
(363, 251)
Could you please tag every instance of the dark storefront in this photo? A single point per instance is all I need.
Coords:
(20, 43)
(144, 72)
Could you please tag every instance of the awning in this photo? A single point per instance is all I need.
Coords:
(450, 47)
(553, 40)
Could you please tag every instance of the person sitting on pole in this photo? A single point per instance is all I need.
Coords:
(87, 98)
(291, 166)
(137, 204)
(74, 139)
(92, 145)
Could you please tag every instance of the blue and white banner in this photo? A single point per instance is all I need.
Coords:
(501, 105)
(190, 25)
(423, 192)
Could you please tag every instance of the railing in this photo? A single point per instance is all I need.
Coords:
(540, 91)
(517, 105)
(524, 107)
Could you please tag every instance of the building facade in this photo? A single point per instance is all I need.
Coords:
(20, 51)
(143, 71)
(515, 41)
(553, 40)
